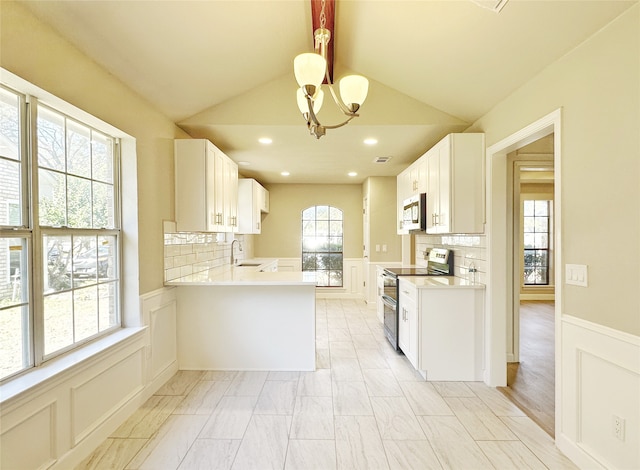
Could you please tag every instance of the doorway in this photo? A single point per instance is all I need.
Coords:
(499, 293)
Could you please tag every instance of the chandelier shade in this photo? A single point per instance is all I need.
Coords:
(353, 90)
(303, 105)
(309, 69)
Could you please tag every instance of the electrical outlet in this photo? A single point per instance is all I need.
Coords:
(618, 427)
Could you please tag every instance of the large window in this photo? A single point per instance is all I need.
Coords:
(536, 242)
(59, 233)
(322, 244)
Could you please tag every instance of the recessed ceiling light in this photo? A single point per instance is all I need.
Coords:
(265, 140)
(352, 173)
(285, 173)
(244, 163)
(370, 141)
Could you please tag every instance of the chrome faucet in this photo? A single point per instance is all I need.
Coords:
(240, 248)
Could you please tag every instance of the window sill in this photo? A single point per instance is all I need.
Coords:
(57, 368)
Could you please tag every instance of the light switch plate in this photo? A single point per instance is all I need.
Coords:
(576, 275)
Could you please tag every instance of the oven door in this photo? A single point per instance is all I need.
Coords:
(391, 320)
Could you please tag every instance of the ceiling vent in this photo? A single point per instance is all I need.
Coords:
(494, 5)
(381, 159)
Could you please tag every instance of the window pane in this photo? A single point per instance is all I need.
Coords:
(529, 240)
(107, 307)
(58, 322)
(541, 240)
(107, 256)
(529, 224)
(51, 141)
(79, 202)
(78, 149)
(85, 261)
(542, 258)
(85, 312)
(336, 227)
(529, 258)
(322, 213)
(335, 213)
(14, 347)
(309, 228)
(308, 262)
(9, 125)
(103, 204)
(541, 208)
(322, 278)
(53, 202)
(10, 197)
(309, 214)
(102, 157)
(57, 270)
(528, 208)
(322, 228)
(542, 224)
(335, 278)
(335, 244)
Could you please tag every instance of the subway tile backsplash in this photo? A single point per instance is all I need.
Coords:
(188, 253)
(469, 251)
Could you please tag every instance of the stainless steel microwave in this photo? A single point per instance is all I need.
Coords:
(414, 214)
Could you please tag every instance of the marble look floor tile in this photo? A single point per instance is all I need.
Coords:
(339, 334)
(371, 359)
(230, 418)
(345, 369)
(219, 375)
(323, 358)
(495, 400)
(381, 383)
(402, 368)
(364, 341)
(181, 383)
(264, 445)
(247, 383)
(315, 384)
(479, 420)
(147, 419)
(358, 444)
(277, 398)
(404, 455)
(538, 441)
(210, 454)
(342, 349)
(510, 455)
(112, 454)
(202, 399)
(313, 418)
(336, 323)
(395, 419)
(451, 443)
(351, 398)
(169, 446)
(424, 399)
(283, 375)
(311, 455)
(453, 389)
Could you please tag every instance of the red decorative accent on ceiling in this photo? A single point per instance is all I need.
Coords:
(330, 13)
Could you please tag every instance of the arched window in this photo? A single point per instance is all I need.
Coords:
(322, 244)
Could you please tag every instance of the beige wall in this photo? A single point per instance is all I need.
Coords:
(281, 228)
(598, 88)
(382, 219)
(33, 51)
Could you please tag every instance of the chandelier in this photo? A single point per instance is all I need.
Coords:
(311, 69)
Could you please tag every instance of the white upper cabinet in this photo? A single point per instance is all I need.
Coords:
(206, 187)
(253, 199)
(451, 174)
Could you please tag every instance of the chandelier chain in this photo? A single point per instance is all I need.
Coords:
(323, 16)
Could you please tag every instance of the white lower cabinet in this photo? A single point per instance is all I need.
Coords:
(441, 329)
(408, 321)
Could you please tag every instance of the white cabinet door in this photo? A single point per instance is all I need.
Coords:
(230, 195)
(403, 191)
(263, 198)
(251, 195)
(408, 321)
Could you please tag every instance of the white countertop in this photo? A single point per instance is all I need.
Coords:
(244, 276)
(439, 282)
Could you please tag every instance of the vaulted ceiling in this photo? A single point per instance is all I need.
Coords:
(223, 70)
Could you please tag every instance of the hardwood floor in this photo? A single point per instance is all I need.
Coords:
(364, 407)
(531, 382)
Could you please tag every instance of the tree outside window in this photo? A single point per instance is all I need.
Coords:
(322, 244)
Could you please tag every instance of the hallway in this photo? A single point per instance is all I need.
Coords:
(531, 382)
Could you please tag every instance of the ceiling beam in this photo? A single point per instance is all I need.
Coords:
(329, 12)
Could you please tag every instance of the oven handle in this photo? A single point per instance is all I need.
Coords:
(389, 301)
(389, 276)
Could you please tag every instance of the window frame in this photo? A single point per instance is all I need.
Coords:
(547, 250)
(328, 252)
(35, 234)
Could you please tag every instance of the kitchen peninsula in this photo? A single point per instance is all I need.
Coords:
(246, 318)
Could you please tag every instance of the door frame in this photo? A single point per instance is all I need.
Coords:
(499, 267)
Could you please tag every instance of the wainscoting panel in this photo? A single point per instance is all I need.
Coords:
(600, 380)
(99, 396)
(20, 449)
